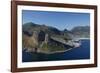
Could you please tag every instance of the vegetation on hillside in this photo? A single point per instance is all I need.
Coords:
(42, 38)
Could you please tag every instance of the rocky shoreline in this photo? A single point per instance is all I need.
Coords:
(44, 52)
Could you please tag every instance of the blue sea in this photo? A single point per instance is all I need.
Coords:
(82, 52)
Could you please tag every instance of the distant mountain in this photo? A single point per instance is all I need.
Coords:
(81, 31)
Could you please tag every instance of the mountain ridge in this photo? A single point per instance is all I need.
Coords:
(47, 39)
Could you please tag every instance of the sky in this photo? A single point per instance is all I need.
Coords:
(60, 20)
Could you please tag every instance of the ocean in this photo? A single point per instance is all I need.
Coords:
(82, 52)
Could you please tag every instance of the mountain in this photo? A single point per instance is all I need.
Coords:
(47, 39)
(44, 38)
(32, 27)
(81, 31)
(36, 27)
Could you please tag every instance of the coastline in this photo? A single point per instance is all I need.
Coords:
(59, 55)
(61, 51)
(44, 52)
(55, 51)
